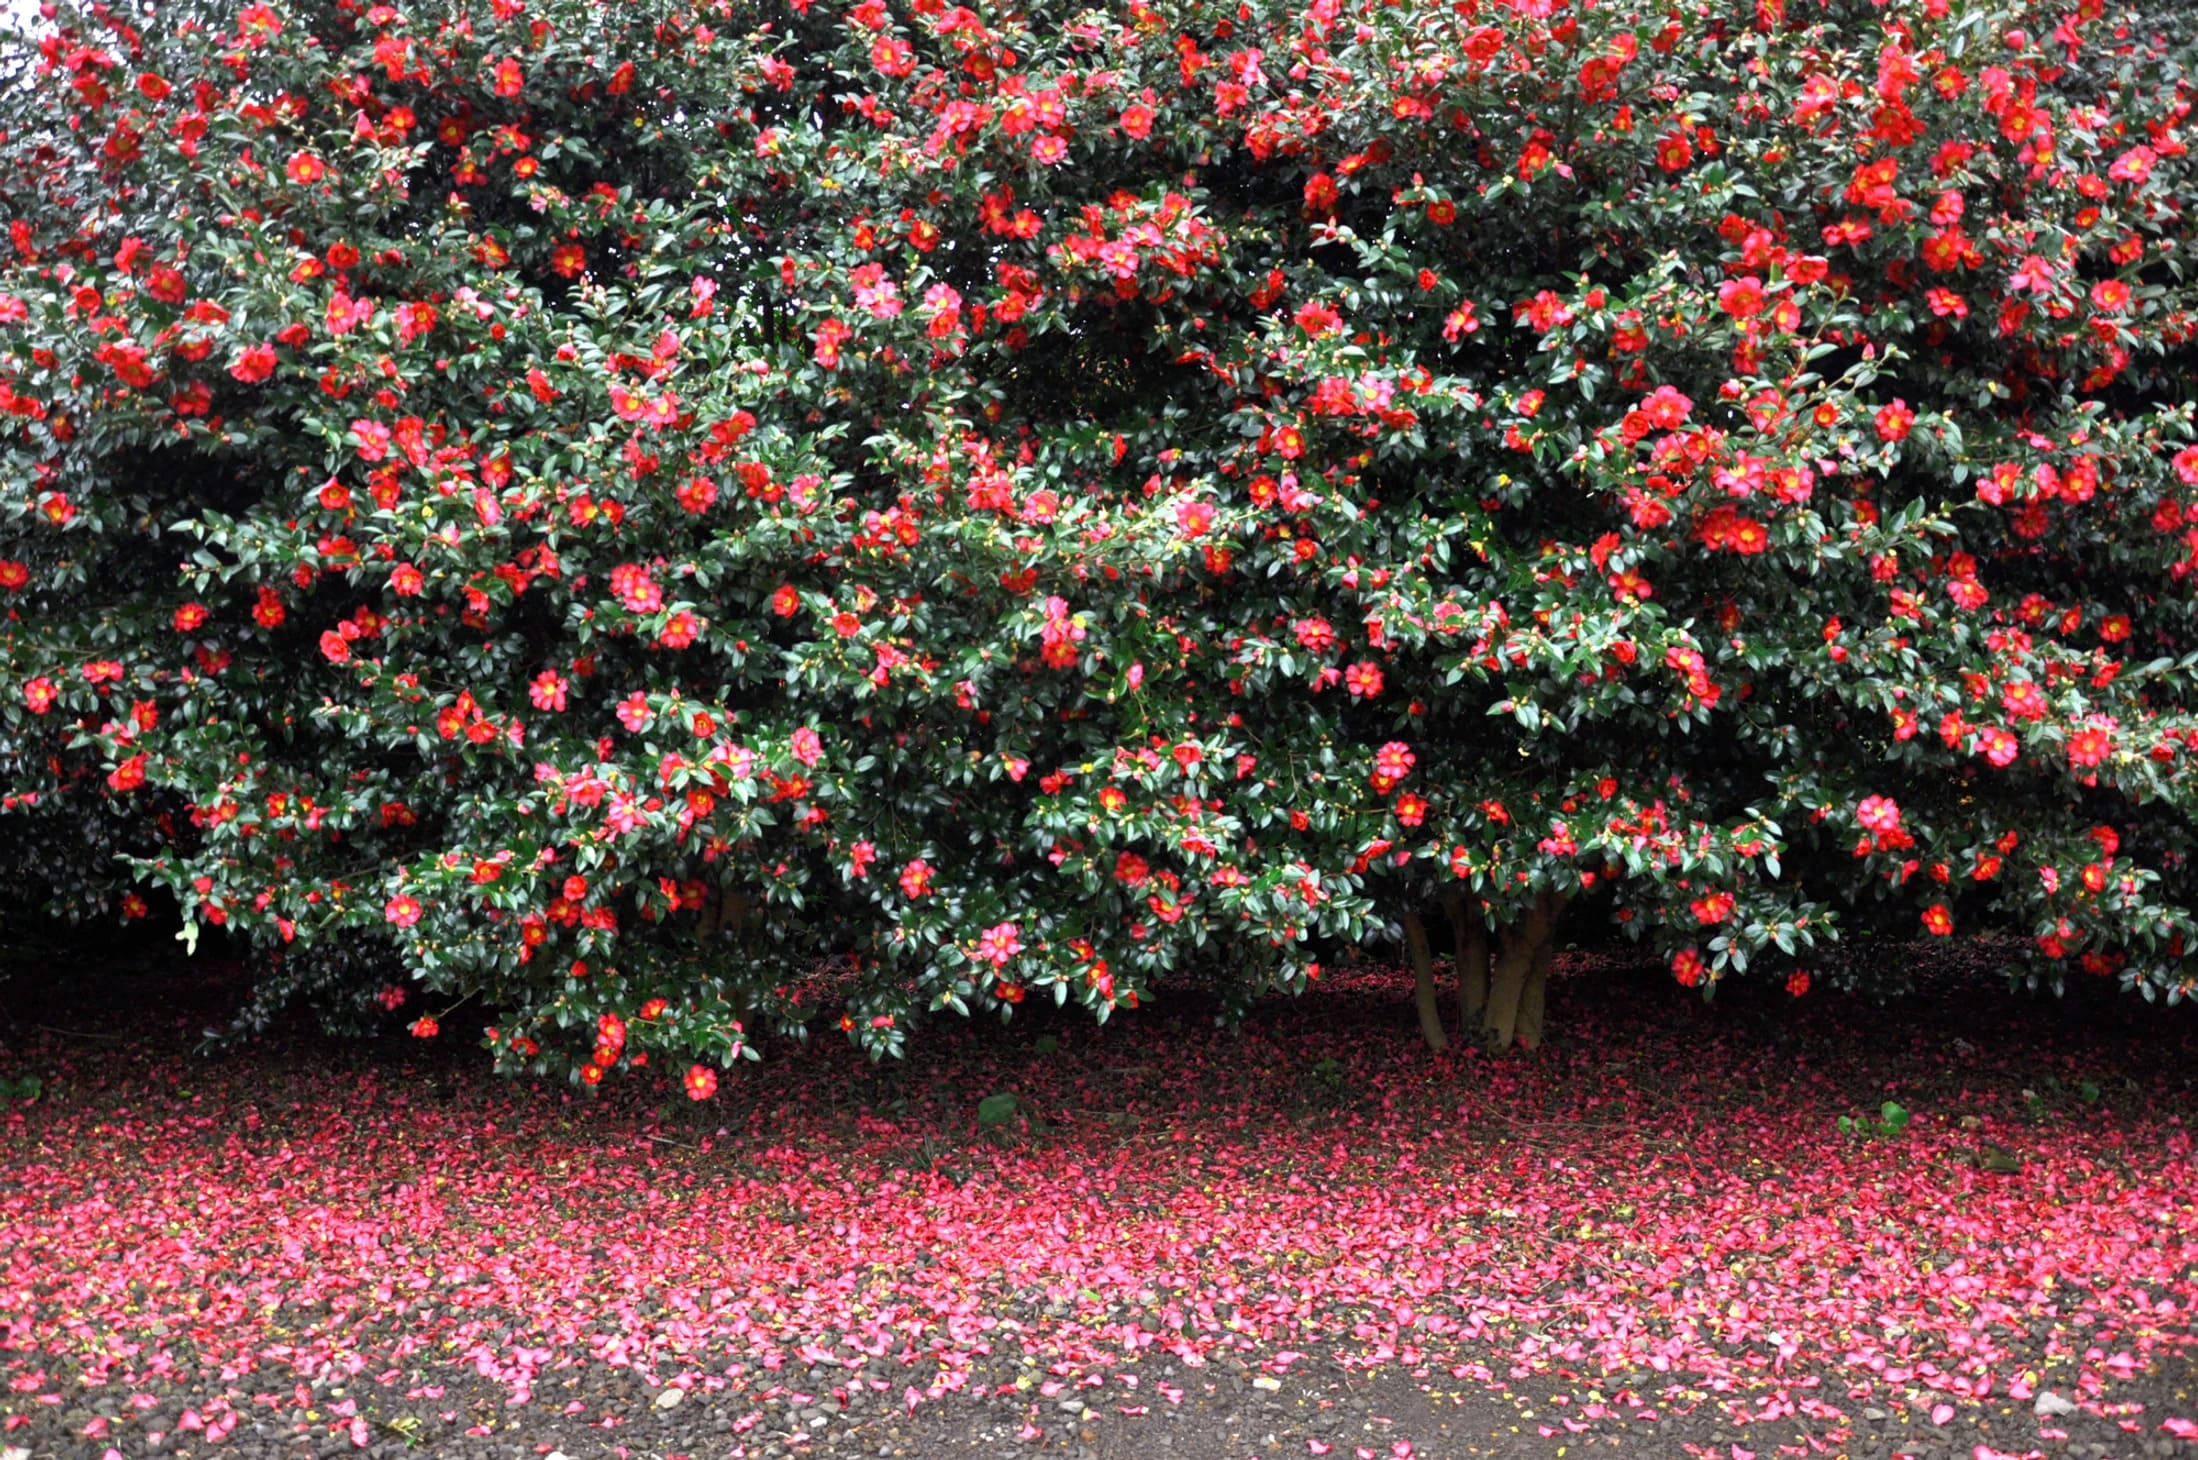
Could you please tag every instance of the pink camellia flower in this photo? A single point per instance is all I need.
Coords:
(807, 746)
(1878, 813)
(997, 944)
(1194, 519)
(634, 712)
(403, 910)
(1666, 409)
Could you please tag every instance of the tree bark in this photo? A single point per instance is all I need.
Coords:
(1506, 990)
(1469, 932)
(1521, 973)
(1537, 988)
(1423, 982)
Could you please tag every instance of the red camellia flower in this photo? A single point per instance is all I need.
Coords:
(1937, 920)
(2089, 746)
(1316, 318)
(701, 1082)
(1742, 298)
(13, 575)
(254, 364)
(1363, 680)
(305, 169)
(1894, 421)
(403, 910)
(425, 1028)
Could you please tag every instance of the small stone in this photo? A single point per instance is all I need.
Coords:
(2050, 1405)
(556, 1455)
(1874, 1416)
(1267, 1382)
(1071, 1406)
(670, 1398)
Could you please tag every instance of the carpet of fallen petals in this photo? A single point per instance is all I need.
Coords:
(1658, 1211)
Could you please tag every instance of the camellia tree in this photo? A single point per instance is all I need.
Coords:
(604, 510)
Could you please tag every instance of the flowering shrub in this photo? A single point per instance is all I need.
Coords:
(599, 508)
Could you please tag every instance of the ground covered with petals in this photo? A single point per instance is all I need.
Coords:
(1304, 1237)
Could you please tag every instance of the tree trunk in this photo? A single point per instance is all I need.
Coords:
(1517, 982)
(1537, 989)
(1423, 982)
(1506, 991)
(1469, 932)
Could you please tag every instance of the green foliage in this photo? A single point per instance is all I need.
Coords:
(698, 522)
(1890, 1122)
(997, 1109)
